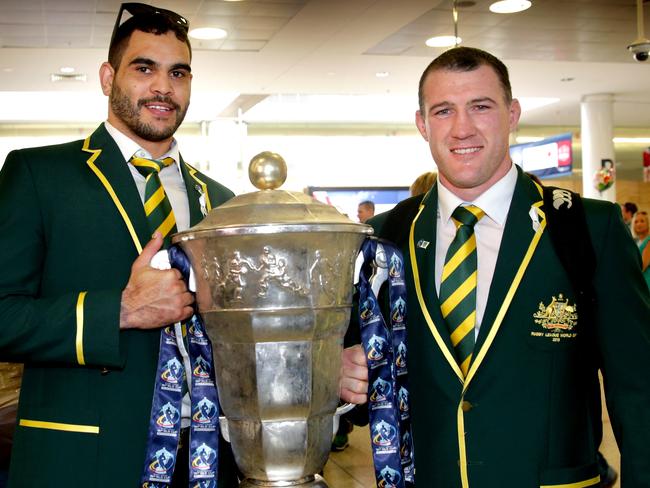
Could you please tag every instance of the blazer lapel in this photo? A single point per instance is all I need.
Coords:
(517, 246)
(107, 163)
(197, 193)
(422, 251)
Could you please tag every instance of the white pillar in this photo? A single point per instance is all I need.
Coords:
(597, 131)
(225, 140)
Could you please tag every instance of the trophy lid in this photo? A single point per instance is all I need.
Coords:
(270, 210)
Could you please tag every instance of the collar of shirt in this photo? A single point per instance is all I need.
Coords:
(128, 147)
(495, 201)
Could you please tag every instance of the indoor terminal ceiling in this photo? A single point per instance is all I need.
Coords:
(563, 49)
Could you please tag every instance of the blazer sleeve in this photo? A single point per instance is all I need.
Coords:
(75, 327)
(623, 325)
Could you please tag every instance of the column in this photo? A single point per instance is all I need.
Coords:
(597, 131)
(225, 142)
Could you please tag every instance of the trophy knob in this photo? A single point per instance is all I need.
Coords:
(267, 171)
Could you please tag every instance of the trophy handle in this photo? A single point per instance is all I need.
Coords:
(345, 408)
(223, 426)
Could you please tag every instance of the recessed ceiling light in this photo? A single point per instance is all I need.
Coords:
(510, 6)
(382, 74)
(567, 78)
(631, 140)
(525, 139)
(66, 69)
(208, 33)
(443, 41)
(56, 77)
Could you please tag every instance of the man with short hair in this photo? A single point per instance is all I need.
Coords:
(365, 211)
(503, 365)
(628, 209)
(80, 304)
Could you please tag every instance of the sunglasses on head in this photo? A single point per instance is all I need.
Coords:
(129, 10)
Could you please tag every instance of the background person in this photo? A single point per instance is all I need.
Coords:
(499, 396)
(79, 303)
(423, 183)
(365, 211)
(641, 231)
(628, 209)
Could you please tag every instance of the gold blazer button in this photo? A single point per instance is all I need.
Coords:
(466, 406)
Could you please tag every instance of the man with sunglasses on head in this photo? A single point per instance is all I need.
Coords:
(80, 304)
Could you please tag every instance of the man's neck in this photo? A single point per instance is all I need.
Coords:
(156, 148)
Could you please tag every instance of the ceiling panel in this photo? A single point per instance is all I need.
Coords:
(337, 46)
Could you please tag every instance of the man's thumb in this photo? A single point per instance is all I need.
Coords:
(147, 254)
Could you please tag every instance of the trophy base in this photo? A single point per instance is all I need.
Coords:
(315, 481)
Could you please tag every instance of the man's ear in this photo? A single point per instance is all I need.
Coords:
(515, 113)
(106, 75)
(421, 125)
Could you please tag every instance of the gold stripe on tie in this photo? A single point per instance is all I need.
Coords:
(458, 285)
(458, 295)
(153, 201)
(463, 329)
(458, 258)
(168, 224)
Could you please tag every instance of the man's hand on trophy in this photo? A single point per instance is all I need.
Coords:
(153, 297)
(354, 376)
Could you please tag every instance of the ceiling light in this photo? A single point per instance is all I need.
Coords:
(208, 33)
(531, 103)
(526, 139)
(443, 41)
(510, 6)
(55, 77)
(631, 140)
(66, 69)
(382, 74)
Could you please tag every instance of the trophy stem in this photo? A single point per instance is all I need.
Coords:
(315, 481)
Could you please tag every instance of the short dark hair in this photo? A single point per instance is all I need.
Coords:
(466, 59)
(368, 203)
(150, 22)
(631, 207)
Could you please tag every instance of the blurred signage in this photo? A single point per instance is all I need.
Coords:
(548, 158)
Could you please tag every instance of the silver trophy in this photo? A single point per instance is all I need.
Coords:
(273, 274)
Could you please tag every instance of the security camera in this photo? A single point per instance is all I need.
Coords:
(640, 49)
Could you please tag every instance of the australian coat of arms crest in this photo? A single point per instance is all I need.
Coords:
(557, 316)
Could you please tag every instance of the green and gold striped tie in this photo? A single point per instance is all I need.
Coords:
(458, 285)
(156, 204)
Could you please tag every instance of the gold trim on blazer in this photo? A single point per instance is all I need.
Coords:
(579, 484)
(91, 162)
(192, 172)
(38, 424)
(79, 340)
(418, 291)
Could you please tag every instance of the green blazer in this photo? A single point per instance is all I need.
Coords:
(524, 416)
(71, 225)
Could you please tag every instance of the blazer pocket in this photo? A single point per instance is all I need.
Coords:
(574, 477)
(64, 448)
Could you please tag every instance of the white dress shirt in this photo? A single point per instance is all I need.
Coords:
(170, 176)
(495, 202)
